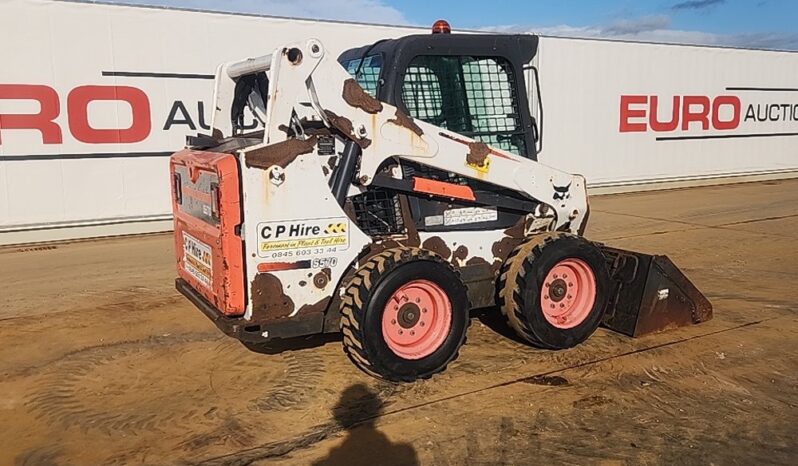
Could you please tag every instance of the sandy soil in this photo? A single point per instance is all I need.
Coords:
(103, 363)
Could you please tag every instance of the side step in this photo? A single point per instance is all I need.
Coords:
(650, 295)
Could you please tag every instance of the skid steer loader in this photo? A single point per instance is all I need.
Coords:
(389, 192)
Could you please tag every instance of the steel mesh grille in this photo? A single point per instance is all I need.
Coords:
(367, 74)
(474, 96)
(377, 212)
(421, 93)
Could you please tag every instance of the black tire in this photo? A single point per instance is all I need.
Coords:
(364, 301)
(523, 276)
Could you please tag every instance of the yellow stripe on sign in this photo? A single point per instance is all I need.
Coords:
(335, 228)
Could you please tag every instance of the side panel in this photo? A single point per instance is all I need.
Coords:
(206, 204)
(299, 241)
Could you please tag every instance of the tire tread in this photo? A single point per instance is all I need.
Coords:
(513, 280)
(353, 311)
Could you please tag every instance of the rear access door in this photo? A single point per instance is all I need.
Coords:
(206, 204)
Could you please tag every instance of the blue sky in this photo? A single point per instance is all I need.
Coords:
(744, 23)
(725, 17)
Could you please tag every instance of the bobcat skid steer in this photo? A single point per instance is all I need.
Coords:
(389, 192)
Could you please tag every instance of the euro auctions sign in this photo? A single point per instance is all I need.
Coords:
(78, 101)
(89, 126)
(753, 112)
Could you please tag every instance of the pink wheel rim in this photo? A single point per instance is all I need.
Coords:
(416, 319)
(568, 293)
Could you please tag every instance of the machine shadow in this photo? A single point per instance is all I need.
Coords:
(356, 412)
(293, 344)
(492, 318)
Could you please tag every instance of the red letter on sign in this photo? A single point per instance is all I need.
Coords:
(702, 116)
(657, 125)
(627, 113)
(78, 108)
(42, 121)
(732, 100)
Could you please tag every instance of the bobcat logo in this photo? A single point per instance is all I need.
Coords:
(562, 193)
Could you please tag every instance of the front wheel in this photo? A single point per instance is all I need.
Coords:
(404, 315)
(554, 289)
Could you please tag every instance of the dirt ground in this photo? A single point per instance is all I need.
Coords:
(102, 362)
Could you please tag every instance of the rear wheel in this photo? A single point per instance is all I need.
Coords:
(404, 315)
(554, 289)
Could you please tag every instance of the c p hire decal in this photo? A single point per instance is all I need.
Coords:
(303, 237)
(197, 259)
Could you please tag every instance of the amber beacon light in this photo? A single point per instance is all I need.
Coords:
(441, 27)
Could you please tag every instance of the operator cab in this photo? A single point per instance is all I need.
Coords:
(471, 84)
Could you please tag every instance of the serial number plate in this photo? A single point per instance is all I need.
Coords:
(469, 215)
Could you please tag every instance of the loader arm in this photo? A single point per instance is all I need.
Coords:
(306, 84)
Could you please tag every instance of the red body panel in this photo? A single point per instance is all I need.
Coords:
(206, 204)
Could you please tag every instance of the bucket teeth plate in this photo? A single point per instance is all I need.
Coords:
(650, 294)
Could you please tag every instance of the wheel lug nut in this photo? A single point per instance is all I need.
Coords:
(553, 306)
(393, 321)
(569, 296)
(418, 300)
(400, 332)
(564, 276)
(562, 305)
(412, 333)
(396, 308)
(547, 285)
(555, 275)
(422, 323)
(570, 284)
(424, 310)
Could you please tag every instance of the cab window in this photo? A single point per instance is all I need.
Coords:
(474, 96)
(366, 72)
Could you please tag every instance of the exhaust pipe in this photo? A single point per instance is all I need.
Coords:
(249, 66)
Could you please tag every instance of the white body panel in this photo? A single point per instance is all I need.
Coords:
(65, 45)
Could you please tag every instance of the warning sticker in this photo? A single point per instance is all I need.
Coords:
(303, 237)
(483, 168)
(197, 259)
(433, 220)
(469, 215)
